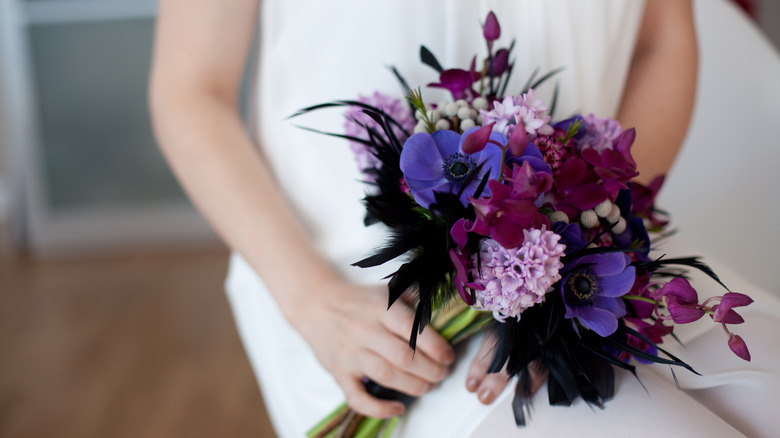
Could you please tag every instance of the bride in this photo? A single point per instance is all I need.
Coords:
(287, 201)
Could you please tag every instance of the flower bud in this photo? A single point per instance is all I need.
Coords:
(739, 347)
(477, 140)
(518, 140)
(491, 30)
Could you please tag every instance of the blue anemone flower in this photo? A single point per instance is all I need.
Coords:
(436, 163)
(591, 288)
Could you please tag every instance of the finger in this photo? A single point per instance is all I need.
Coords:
(487, 385)
(399, 320)
(386, 374)
(491, 386)
(398, 353)
(360, 401)
(479, 366)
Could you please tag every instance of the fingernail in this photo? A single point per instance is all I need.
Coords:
(398, 409)
(472, 384)
(485, 396)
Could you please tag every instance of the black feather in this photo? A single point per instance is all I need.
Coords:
(692, 262)
(428, 59)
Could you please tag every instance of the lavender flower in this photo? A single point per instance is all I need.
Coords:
(355, 118)
(526, 110)
(534, 115)
(517, 278)
(502, 114)
(599, 133)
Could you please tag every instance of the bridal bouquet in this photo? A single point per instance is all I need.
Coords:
(530, 227)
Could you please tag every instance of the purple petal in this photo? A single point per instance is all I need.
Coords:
(727, 317)
(421, 158)
(423, 191)
(616, 306)
(458, 232)
(607, 264)
(683, 313)
(723, 312)
(599, 320)
(533, 151)
(680, 289)
(617, 285)
(586, 196)
(460, 277)
(739, 347)
(735, 299)
(447, 142)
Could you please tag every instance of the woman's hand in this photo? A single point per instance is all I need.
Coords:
(354, 335)
(488, 386)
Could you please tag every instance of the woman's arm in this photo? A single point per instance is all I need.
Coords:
(199, 58)
(659, 94)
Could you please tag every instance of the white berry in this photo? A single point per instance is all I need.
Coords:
(603, 209)
(559, 216)
(480, 103)
(466, 124)
(614, 214)
(620, 226)
(467, 113)
(442, 125)
(589, 219)
(451, 109)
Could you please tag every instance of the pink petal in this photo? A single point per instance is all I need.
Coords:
(728, 316)
(680, 289)
(735, 299)
(682, 313)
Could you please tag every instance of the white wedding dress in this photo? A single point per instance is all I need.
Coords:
(316, 51)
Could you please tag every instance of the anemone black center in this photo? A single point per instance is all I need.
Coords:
(581, 287)
(458, 167)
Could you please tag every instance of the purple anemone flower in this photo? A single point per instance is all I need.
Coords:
(436, 163)
(591, 288)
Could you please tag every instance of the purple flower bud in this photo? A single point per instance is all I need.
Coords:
(477, 140)
(518, 140)
(500, 62)
(491, 29)
(739, 347)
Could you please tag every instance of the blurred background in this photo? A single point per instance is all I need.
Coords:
(113, 321)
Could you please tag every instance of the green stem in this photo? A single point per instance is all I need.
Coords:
(638, 298)
(459, 322)
(389, 427)
(370, 428)
(329, 423)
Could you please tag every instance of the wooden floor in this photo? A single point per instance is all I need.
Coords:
(123, 347)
